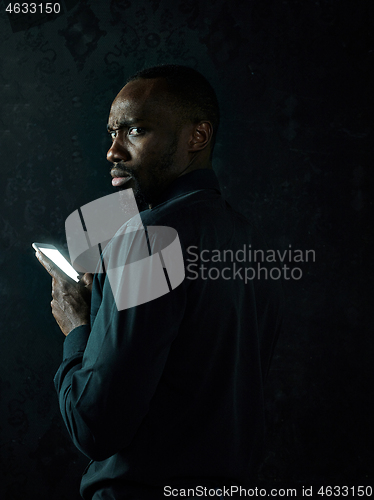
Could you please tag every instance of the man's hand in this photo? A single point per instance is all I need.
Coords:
(71, 301)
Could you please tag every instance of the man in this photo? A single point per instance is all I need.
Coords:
(168, 395)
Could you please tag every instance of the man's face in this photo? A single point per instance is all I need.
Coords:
(147, 150)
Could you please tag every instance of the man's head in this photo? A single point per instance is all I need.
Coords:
(163, 125)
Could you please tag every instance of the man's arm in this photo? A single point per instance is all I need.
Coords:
(111, 370)
(109, 374)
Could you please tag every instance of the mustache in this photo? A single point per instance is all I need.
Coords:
(119, 170)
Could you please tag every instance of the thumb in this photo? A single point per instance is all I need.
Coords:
(87, 280)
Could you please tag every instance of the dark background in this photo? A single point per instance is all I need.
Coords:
(294, 151)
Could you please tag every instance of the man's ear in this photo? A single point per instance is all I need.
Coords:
(201, 136)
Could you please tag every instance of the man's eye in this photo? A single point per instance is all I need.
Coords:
(113, 134)
(136, 131)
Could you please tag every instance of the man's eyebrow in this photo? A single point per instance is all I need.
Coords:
(124, 123)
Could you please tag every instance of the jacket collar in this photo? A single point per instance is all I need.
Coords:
(196, 180)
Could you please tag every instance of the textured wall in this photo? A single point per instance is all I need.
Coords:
(293, 152)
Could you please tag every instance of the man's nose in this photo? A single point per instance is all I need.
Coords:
(117, 153)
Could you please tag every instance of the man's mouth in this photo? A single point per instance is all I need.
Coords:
(119, 178)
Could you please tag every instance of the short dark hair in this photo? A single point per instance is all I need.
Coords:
(191, 93)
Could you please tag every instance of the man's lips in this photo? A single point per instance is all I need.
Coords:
(119, 181)
(119, 177)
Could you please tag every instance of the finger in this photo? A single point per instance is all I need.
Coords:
(58, 288)
(62, 288)
(87, 279)
(45, 262)
(48, 265)
(57, 311)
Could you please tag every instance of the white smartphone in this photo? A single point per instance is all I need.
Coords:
(57, 258)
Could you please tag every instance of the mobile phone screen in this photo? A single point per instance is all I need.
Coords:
(57, 258)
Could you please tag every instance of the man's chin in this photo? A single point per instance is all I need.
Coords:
(141, 201)
(123, 183)
(138, 194)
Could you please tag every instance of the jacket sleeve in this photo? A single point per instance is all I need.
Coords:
(110, 371)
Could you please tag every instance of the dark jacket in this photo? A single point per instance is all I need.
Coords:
(170, 392)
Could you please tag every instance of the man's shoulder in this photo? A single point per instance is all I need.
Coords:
(184, 209)
(201, 217)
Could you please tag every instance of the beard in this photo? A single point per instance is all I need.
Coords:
(138, 194)
(145, 195)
